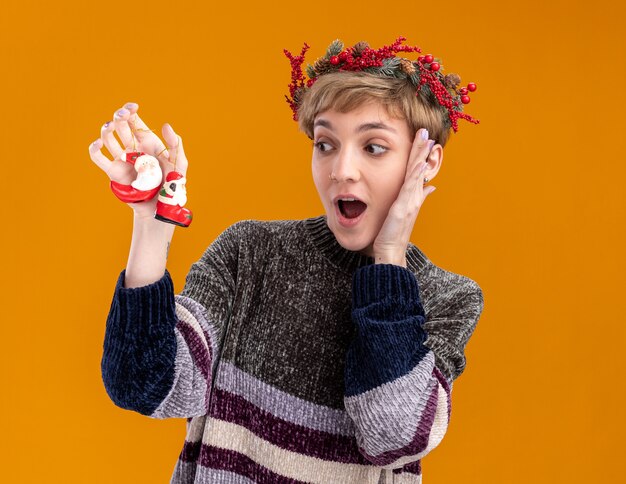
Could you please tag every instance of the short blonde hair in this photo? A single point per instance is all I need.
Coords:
(346, 90)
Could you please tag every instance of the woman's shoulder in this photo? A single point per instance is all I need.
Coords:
(451, 279)
(447, 285)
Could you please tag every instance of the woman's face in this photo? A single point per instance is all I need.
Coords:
(366, 151)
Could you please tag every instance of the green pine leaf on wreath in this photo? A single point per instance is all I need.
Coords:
(391, 63)
(391, 67)
(401, 74)
(334, 48)
(310, 71)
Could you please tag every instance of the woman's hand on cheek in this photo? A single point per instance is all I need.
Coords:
(393, 239)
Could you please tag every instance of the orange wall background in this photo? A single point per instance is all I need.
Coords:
(529, 203)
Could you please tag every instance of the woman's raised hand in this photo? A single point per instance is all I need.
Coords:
(136, 136)
(393, 238)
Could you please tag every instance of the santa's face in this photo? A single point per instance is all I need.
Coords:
(146, 163)
(149, 173)
(177, 187)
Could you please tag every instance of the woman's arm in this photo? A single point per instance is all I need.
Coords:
(396, 394)
(159, 347)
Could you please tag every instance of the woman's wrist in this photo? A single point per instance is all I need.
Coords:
(395, 259)
(149, 250)
(151, 224)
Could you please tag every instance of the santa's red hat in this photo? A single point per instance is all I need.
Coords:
(173, 175)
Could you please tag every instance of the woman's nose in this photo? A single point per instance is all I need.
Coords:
(346, 166)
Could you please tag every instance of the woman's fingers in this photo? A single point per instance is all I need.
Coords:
(417, 163)
(421, 154)
(413, 192)
(97, 157)
(421, 192)
(132, 107)
(136, 124)
(120, 121)
(416, 173)
(143, 133)
(423, 167)
(415, 184)
(175, 148)
(428, 190)
(419, 179)
(106, 133)
(420, 141)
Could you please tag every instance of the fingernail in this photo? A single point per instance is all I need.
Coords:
(122, 112)
(106, 125)
(424, 134)
(131, 105)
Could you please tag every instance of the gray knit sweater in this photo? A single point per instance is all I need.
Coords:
(293, 359)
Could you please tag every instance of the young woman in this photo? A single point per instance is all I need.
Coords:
(317, 350)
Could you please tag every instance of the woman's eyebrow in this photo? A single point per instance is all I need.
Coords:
(360, 128)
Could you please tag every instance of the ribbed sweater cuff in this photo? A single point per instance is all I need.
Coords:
(378, 282)
(151, 301)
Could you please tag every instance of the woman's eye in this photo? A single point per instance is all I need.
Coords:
(382, 148)
(319, 146)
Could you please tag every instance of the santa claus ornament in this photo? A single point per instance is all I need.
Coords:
(172, 195)
(171, 199)
(146, 185)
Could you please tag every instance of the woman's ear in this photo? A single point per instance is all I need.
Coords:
(435, 158)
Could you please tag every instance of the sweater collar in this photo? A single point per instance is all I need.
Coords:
(323, 238)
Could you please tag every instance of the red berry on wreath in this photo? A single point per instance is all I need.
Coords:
(471, 86)
(465, 99)
(435, 66)
(343, 56)
(463, 91)
(428, 58)
(334, 60)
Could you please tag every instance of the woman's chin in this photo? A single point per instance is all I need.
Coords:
(353, 243)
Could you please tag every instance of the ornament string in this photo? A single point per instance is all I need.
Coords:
(133, 129)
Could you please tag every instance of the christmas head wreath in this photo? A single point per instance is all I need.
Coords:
(425, 74)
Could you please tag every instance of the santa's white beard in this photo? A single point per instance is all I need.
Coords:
(149, 173)
(148, 179)
(180, 198)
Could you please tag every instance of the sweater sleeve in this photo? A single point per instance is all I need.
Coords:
(397, 396)
(160, 348)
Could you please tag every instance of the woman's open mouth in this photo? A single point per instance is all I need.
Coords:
(350, 212)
